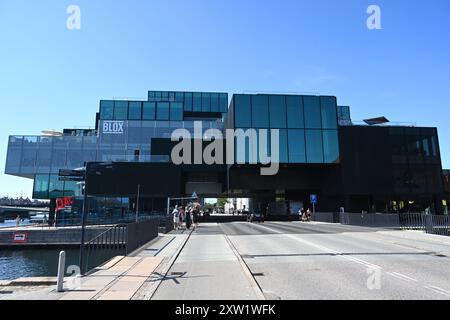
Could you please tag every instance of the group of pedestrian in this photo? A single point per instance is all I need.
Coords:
(305, 215)
(188, 216)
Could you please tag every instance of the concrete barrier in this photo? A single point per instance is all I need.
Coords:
(49, 236)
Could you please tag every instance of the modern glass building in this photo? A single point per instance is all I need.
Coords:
(374, 168)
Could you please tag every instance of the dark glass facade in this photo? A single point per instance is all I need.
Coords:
(321, 151)
(307, 125)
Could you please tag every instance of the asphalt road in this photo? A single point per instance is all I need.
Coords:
(309, 261)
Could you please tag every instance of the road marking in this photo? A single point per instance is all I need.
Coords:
(401, 276)
(247, 272)
(320, 247)
(438, 290)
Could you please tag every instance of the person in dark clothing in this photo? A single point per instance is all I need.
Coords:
(195, 214)
(188, 218)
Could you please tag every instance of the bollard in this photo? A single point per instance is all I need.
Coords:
(61, 269)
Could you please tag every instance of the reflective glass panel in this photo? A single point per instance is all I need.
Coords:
(188, 101)
(215, 107)
(120, 110)
(162, 112)
(314, 149)
(260, 111)
(148, 112)
(311, 106)
(135, 110)
(277, 107)
(330, 146)
(197, 102)
(206, 102)
(106, 110)
(294, 106)
(56, 187)
(328, 109)
(242, 110)
(223, 101)
(297, 152)
(176, 111)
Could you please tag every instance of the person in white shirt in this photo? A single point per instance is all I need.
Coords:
(176, 218)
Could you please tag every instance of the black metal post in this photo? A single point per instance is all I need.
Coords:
(83, 222)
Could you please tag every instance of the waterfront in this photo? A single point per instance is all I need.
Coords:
(12, 223)
(19, 263)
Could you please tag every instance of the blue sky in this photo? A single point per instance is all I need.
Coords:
(53, 78)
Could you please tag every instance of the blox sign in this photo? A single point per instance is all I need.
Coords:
(113, 127)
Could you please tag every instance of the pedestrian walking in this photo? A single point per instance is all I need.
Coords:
(188, 218)
(181, 217)
(308, 215)
(176, 217)
(195, 214)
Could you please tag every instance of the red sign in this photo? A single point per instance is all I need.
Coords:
(20, 237)
(61, 203)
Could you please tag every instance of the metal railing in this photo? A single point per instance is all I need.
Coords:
(106, 245)
(120, 239)
(432, 224)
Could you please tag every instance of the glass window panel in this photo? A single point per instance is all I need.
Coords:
(179, 96)
(330, 146)
(242, 111)
(215, 106)
(294, 106)
(70, 188)
(13, 159)
(106, 110)
(176, 111)
(58, 159)
(297, 152)
(157, 95)
(74, 158)
(151, 95)
(314, 149)
(328, 108)
(197, 102)
(283, 146)
(277, 109)
(43, 160)
(171, 96)
(164, 95)
(40, 187)
(260, 111)
(56, 187)
(148, 112)
(120, 110)
(223, 101)
(187, 101)
(29, 154)
(135, 110)
(162, 112)
(311, 105)
(206, 102)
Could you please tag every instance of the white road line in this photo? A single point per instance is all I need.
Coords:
(438, 290)
(320, 247)
(401, 276)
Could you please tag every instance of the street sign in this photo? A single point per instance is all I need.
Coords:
(20, 237)
(194, 195)
(313, 199)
